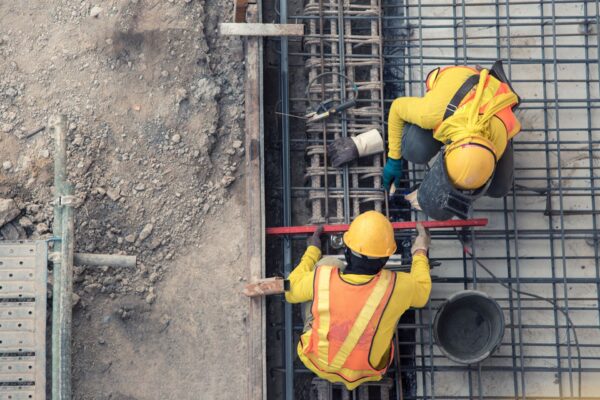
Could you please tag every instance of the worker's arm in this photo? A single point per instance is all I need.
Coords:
(301, 278)
(419, 273)
(415, 110)
(419, 270)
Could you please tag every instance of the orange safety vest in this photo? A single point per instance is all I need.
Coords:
(493, 87)
(346, 318)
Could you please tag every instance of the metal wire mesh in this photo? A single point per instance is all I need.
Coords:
(542, 238)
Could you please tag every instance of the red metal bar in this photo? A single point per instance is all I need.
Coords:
(304, 229)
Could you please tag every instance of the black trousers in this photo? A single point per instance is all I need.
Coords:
(419, 147)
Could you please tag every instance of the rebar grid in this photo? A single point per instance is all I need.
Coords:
(542, 238)
(343, 54)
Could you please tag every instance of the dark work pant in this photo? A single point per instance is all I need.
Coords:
(419, 147)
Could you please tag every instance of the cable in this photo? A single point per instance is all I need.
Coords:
(533, 295)
(346, 78)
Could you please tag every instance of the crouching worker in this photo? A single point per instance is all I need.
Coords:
(467, 117)
(351, 309)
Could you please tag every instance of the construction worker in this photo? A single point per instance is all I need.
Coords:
(466, 116)
(351, 310)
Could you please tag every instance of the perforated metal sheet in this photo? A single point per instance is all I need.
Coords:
(23, 276)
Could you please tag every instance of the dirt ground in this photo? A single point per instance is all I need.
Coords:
(154, 99)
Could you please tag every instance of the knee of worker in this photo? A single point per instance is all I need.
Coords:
(418, 145)
(332, 261)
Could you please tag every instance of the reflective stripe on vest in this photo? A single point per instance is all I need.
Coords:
(380, 292)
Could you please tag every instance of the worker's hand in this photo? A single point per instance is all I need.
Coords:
(344, 150)
(341, 151)
(392, 172)
(413, 199)
(422, 241)
(315, 239)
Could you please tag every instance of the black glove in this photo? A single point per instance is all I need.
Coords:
(341, 151)
(315, 239)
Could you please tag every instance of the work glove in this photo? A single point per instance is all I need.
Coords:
(344, 150)
(392, 172)
(315, 239)
(422, 241)
(412, 197)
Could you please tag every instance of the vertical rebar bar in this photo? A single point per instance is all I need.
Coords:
(287, 198)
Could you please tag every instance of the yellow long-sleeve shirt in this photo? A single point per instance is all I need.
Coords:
(411, 290)
(428, 112)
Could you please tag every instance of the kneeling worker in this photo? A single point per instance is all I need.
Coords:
(356, 306)
(467, 117)
(468, 114)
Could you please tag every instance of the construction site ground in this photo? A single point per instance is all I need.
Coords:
(154, 99)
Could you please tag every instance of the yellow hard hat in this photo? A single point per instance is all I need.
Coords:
(470, 162)
(371, 234)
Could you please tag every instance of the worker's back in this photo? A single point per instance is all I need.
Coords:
(355, 317)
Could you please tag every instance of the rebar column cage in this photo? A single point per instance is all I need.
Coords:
(344, 62)
(541, 244)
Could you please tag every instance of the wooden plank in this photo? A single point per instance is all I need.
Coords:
(255, 29)
(239, 10)
(254, 156)
(265, 287)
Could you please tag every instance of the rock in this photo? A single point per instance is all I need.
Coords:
(92, 287)
(153, 277)
(140, 187)
(45, 153)
(154, 244)
(95, 11)
(114, 194)
(6, 128)
(176, 138)
(146, 231)
(8, 211)
(227, 180)
(150, 298)
(41, 228)
(11, 92)
(6, 165)
(9, 232)
(75, 299)
(237, 144)
(130, 238)
(25, 222)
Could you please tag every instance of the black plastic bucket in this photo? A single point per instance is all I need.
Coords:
(469, 326)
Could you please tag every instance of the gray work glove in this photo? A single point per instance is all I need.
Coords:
(422, 241)
(315, 239)
(344, 150)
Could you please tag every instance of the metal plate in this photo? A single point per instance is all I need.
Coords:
(23, 277)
